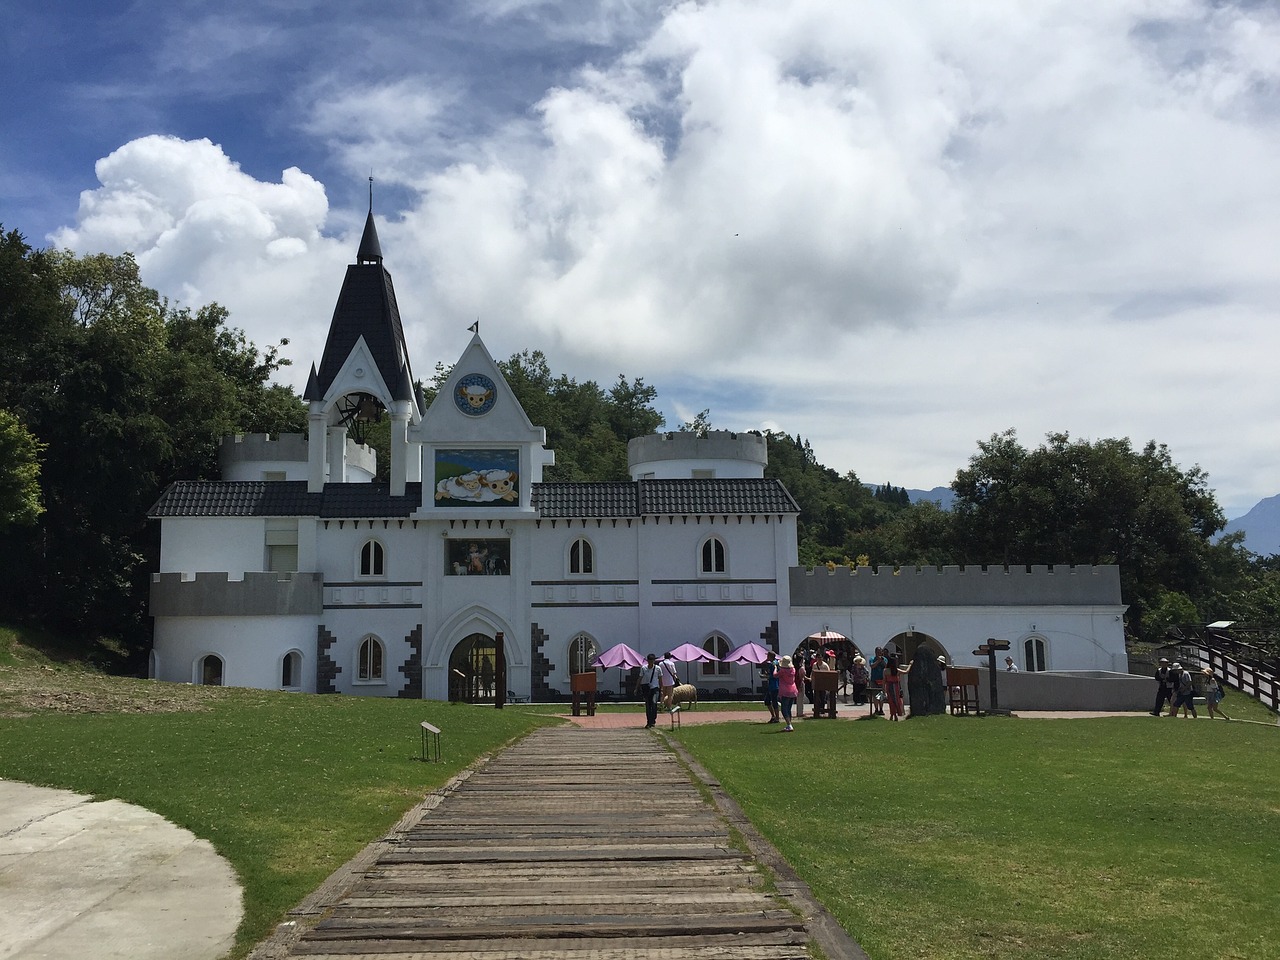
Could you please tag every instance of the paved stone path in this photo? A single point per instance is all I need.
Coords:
(580, 844)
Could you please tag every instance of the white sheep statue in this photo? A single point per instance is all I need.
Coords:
(685, 693)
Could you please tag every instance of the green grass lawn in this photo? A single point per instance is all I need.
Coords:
(939, 837)
(951, 837)
(287, 787)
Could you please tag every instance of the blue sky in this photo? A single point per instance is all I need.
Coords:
(895, 229)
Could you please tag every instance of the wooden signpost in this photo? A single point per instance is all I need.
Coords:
(990, 648)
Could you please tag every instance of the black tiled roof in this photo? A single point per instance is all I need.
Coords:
(665, 497)
(283, 498)
(741, 495)
(289, 498)
(608, 499)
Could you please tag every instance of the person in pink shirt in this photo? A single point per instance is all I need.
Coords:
(790, 677)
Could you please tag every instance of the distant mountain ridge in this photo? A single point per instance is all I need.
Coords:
(1261, 527)
(942, 496)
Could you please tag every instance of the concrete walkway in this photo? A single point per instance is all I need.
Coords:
(570, 845)
(104, 879)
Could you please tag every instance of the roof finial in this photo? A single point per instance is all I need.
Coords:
(475, 327)
(371, 190)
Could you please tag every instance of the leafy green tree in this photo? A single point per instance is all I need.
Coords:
(126, 394)
(631, 408)
(1077, 502)
(20, 500)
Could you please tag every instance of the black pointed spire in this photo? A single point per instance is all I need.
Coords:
(370, 250)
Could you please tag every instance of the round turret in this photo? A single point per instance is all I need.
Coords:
(685, 455)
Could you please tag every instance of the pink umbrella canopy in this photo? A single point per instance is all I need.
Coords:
(687, 652)
(619, 655)
(748, 653)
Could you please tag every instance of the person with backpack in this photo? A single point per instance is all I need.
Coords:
(1213, 694)
(1184, 692)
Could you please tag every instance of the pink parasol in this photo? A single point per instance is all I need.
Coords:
(748, 653)
(619, 655)
(687, 652)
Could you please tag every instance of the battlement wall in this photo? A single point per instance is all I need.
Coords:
(239, 447)
(956, 586)
(257, 595)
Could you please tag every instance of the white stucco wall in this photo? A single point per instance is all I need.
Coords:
(212, 544)
(252, 649)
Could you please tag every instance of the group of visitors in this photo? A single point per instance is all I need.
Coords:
(1176, 686)
(789, 681)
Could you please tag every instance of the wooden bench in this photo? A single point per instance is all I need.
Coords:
(430, 742)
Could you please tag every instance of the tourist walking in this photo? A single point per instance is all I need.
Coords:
(651, 687)
(893, 672)
(788, 691)
(1183, 692)
(1213, 694)
(878, 663)
(770, 670)
(1164, 686)
(1009, 665)
(669, 679)
(821, 705)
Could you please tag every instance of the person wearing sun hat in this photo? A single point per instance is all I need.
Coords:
(858, 679)
(1184, 692)
(1164, 686)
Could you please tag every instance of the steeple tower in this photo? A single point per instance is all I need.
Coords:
(364, 371)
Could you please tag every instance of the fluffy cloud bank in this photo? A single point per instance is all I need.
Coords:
(894, 228)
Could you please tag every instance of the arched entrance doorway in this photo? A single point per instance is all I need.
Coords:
(925, 687)
(472, 669)
(913, 645)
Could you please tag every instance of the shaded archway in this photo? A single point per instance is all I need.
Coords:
(926, 685)
(472, 669)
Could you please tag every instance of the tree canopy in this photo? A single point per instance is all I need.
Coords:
(124, 393)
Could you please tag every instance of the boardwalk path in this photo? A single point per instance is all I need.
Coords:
(581, 844)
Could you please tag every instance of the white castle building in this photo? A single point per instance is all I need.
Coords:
(299, 571)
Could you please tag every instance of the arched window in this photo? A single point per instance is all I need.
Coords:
(371, 559)
(582, 650)
(717, 646)
(1033, 654)
(580, 559)
(713, 555)
(291, 670)
(211, 670)
(370, 665)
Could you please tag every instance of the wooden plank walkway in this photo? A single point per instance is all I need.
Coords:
(587, 845)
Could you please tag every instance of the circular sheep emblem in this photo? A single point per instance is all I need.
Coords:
(475, 394)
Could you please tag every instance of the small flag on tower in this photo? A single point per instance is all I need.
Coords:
(475, 327)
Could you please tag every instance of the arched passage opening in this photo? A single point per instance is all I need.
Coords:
(472, 669)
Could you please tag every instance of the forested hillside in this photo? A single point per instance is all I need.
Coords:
(108, 393)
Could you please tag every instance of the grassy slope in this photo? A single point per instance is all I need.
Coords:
(286, 787)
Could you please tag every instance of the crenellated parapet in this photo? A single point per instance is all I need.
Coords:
(955, 586)
(239, 447)
(257, 595)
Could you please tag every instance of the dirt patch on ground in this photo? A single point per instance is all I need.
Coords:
(30, 690)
